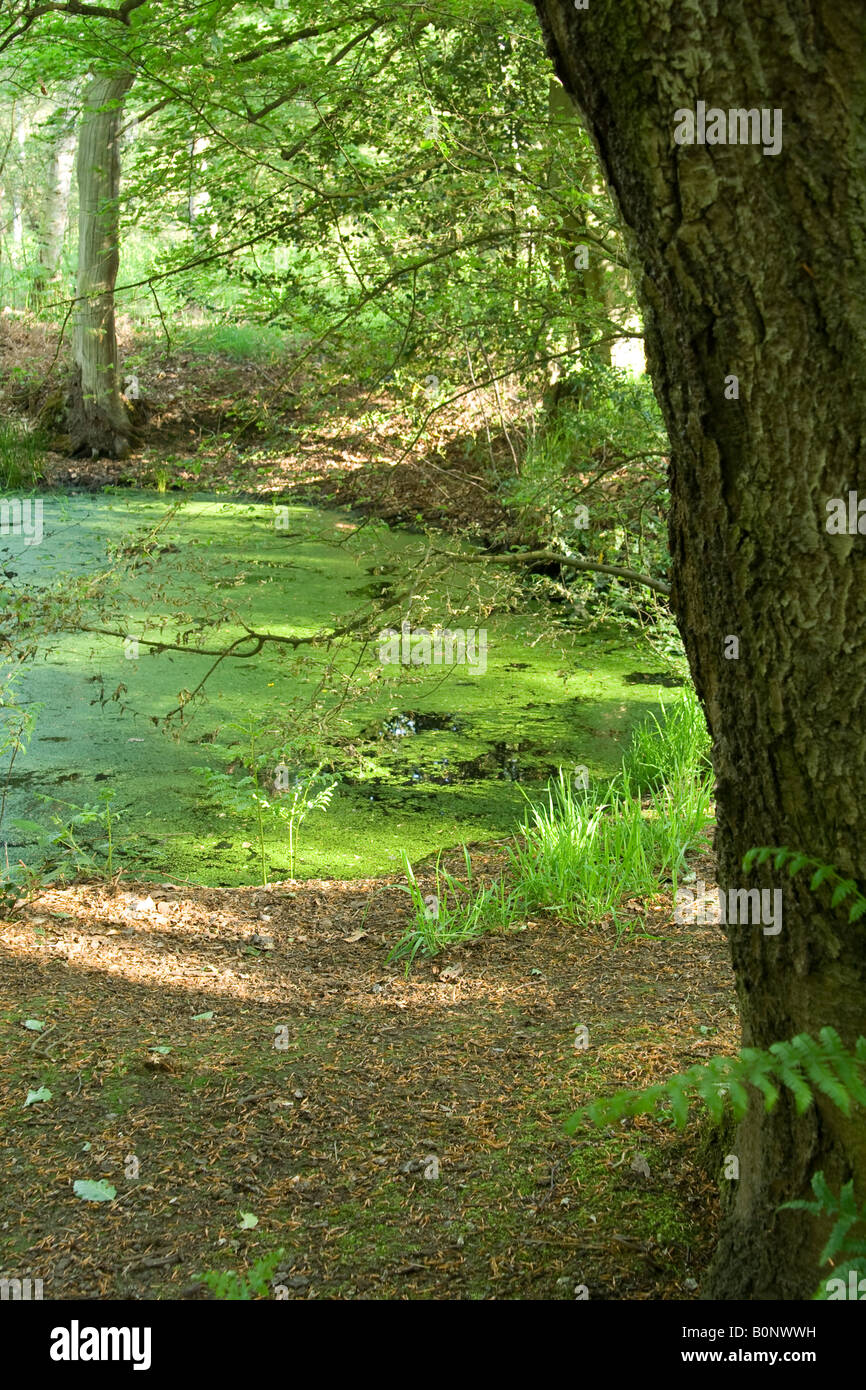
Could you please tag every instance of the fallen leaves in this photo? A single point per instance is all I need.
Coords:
(475, 1065)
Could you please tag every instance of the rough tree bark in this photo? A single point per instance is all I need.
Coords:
(754, 265)
(98, 419)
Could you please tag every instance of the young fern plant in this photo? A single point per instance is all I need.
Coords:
(229, 1286)
(294, 810)
(241, 796)
(250, 798)
(796, 862)
(16, 730)
(845, 1255)
(804, 1066)
(64, 849)
(17, 721)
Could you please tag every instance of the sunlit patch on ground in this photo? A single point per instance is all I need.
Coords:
(255, 1053)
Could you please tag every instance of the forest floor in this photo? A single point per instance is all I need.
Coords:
(213, 423)
(246, 1068)
(251, 1051)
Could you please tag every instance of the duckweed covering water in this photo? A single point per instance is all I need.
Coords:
(427, 756)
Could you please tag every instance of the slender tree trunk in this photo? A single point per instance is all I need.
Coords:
(17, 228)
(753, 265)
(98, 419)
(13, 183)
(198, 199)
(581, 261)
(55, 207)
(593, 293)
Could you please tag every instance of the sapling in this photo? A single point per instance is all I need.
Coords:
(59, 842)
(16, 728)
(243, 796)
(248, 797)
(295, 809)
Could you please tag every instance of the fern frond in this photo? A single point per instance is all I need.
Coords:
(804, 1066)
(796, 861)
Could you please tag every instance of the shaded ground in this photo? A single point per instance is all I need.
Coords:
(326, 1083)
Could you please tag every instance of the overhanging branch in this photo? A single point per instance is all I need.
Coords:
(529, 557)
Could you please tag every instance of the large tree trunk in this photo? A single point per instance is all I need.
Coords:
(98, 419)
(754, 265)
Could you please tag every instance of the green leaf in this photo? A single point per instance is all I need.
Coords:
(200, 1018)
(575, 1120)
(33, 1096)
(770, 1092)
(844, 1065)
(101, 1191)
(714, 1101)
(31, 827)
(679, 1102)
(836, 1241)
(163, 1050)
(832, 1088)
(816, 1064)
(740, 1096)
(842, 891)
(248, 1221)
(822, 1191)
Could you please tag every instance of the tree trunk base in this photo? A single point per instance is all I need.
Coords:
(764, 1253)
(93, 432)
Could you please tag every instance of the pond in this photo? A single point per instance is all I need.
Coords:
(427, 753)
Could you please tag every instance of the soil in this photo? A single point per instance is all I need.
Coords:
(253, 1052)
